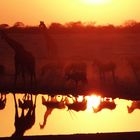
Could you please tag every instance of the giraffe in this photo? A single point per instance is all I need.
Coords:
(2, 75)
(50, 44)
(23, 59)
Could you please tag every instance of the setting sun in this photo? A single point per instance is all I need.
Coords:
(96, 1)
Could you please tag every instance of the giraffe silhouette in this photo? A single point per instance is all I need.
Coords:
(2, 75)
(23, 122)
(51, 46)
(23, 59)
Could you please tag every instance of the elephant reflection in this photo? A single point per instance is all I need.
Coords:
(24, 121)
(76, 105)
(2, 101)
(105, 104)
(51, 103)
(134, 105)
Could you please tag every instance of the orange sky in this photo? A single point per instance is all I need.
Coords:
(32, 11)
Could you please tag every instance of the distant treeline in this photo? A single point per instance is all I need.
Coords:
(129, 26)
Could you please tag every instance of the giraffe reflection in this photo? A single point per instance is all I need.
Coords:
(134, 105)
(76, 105)
(2, 101)
(105, 104)
(24, 121)
(51, 103)
(26, 102)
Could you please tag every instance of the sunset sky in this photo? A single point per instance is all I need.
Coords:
(102, 11)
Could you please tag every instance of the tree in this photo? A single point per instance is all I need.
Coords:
(4, 26)
(19, 25)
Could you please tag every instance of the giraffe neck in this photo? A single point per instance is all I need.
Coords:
(16, 46)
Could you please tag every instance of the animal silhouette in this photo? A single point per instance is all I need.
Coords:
(50, 44)
(51, 103)
(134, 105)
(26, 102)
(23, 122)
(105, 104)
(2, 75)
(2, 101)
(135, 66)
(104, 68)
(2, 70)
(76, 105)
(76, 72)
(23, 59)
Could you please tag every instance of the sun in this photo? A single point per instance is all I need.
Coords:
(93, 101)
(99, 2)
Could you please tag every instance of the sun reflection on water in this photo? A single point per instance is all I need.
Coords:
(93, 101)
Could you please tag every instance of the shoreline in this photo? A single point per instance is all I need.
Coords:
(97, 136)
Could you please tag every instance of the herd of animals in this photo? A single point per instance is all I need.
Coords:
(25, 66)
(27, 103)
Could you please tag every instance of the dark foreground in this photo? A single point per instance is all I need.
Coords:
(98, 136)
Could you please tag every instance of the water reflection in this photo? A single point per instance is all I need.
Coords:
(2, 101)
(134, 105)
(24, 121)
(76, 105)
(56, 111)
(51, 103)
(106, 103)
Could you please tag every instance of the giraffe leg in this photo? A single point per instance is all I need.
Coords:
(100, 74)
(15, 80)
(76, 83)
(113, 76)
(104, 77)
(31, 80)
(23, 78)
